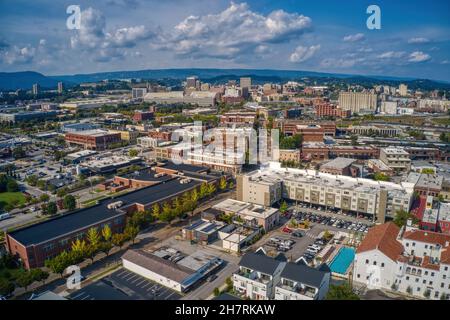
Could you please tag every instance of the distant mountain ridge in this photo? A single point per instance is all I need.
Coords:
(25, 80)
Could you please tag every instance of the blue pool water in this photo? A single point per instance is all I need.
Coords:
(342, 260)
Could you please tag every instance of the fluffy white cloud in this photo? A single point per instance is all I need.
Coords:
(303, 53)
(354, 37)
(419, 56)
(418, 40)
(18, 55)
(93, 37)
(341, 63)
(391, 55)
(235, 30)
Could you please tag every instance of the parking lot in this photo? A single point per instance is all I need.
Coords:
(125, 285)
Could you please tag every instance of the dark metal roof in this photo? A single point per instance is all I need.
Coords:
(68, 223)
(184, 167)
(64, 224)
(259, 262)
(303, 274)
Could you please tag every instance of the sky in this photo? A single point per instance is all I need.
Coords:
(323, 36)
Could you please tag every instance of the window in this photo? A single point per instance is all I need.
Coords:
(367, 261)
(382, 264)
(374, 263)
(358, 275)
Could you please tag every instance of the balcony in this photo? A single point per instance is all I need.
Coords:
(306, 291)
(253, 275)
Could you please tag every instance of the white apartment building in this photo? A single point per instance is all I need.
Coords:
(264, 278)
(358, 101)
(396, 158)
(407, 260)
(257, 276)
(300, 282)
(272, 183)
(389, 107)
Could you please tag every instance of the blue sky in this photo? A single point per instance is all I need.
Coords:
(327, 36)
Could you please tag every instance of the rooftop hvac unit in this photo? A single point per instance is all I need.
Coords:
(115, 205)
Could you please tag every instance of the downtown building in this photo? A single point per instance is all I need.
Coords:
(363, 196)
(406, 260)
(261, 277)
(358, 102)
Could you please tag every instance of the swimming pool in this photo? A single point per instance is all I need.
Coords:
(342, 260)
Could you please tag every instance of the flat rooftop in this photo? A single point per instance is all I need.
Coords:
(275, 174)
(64, 224)
(231, 205)
(338, 163)
(422, 180)
(83, 218)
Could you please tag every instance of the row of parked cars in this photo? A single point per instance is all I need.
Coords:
(282, 245)
(313, 249)
(335, 222)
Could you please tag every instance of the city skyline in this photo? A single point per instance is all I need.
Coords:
(288, 35)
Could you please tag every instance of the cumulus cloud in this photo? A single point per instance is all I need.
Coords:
(341, 62)
(419, 56)
(235, 30)
(418, 40)
(354, 37)
(303, 53)
(18, 55)
(391, 55)
(93, 36)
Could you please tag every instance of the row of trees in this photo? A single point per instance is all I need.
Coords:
(95, 243)
(8, 184)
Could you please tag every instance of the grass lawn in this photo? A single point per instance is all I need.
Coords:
(10, 197)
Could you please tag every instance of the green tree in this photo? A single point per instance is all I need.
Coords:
(24, 279)
(211, 189)
(131, 232)
(223, 183)
(61, 192)
(156, 210)
(93, 237)
(341, 292)
(379, 176)
(106, 233)
(194, 195)
(50, 208)
(44, 197)
(105, 247)
(216, 292)
(39, 275)
(118, 239)
(166, 214)
(177, 208)
(12, 186)
(354, 140)
(133, 153)
(69, 202)
(203, 190)
(59, 263)
(283, 207)
(79, 248)
(402, 216)
(6, 287)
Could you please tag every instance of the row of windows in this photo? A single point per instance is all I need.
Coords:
(374, 263)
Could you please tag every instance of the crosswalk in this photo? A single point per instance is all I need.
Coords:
(310, 234)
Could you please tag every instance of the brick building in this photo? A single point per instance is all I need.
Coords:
(93, 139)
